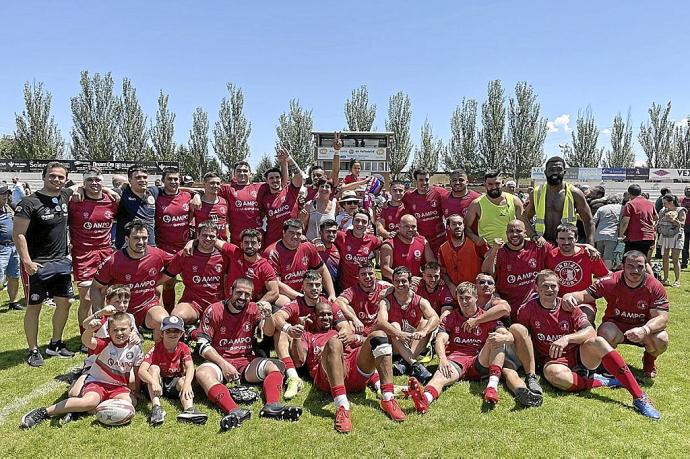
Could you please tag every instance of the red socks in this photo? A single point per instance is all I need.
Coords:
(614, 364)
(272, 385)
(220, 395)
(288, 362)
(374, 378)
(337, 390)
(495, 370)
(432, 391)
(581, 383)
(388, 388)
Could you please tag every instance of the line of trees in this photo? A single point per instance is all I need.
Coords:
(505, 132)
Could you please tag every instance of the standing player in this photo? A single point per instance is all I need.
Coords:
(425, 204)
(225, 342)
(280, 203)
(406, 248)
(574, 267)
(563, 339)
(459, 199)
(90, 230)
(360, 303)
(40, 235)
(459, 258)
(138, 266)
(290, 257)
(636, 309)
(355, 245)
(138, 200)
(213, 207)
(463, 354)
(339, 366)
(388, 222)
(432, 289)
(172, 223)
(409, 321)
(244, 198)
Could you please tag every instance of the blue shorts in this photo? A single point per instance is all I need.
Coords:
(9, 262)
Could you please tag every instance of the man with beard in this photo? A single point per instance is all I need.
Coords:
(325, 244)
(355, 246)
(425, 204)
(491, 212)
(459, 199)
(281, 202)
(360, 302)
(409, 321)
(407, 248)
(432, 289)
(388, 221)
(138, 200)
(459, 258)
(213, 206)
(252, 266)
(556, 202)
(244, 198)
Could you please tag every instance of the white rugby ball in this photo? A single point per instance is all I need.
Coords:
(115, 412)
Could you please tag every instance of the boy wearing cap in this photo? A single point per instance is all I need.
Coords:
(168, 370)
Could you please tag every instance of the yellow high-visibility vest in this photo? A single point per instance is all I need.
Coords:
(568, 216)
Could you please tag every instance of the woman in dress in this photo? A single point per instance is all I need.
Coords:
(671, 234)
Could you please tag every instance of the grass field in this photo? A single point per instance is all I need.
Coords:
(599, 423)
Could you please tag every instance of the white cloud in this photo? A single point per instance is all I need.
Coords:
(561, 122)
(606, 131)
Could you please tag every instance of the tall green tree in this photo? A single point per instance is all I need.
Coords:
(621, 153)
(95, 117)
(132, 135)
(265, 163)
(199, 160)
(585, 152)
(398, 122)
(294, 131)
(8, 147)
(163, 131)
(492, 136)
(461, 150)
(37, 135)
(359, 113)
(231, 131)
(680, 146)
(526, 132)
(655, 136)
(429, 151)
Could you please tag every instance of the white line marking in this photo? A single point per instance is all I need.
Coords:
(36, 393)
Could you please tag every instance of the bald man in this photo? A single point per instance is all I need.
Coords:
(408, 248)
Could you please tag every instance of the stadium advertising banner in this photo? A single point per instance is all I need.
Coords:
(361, 153)
(571, 173)
(537, 173)
(591, 174)
(669, 175)
(613, 173)
(107, 167)
(637, 173)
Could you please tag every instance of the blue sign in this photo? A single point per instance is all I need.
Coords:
(613, 173)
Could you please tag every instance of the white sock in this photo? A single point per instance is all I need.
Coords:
(377, 385)
(429, 397)
(493, 381)
(292, 373)
(341, 400)
(387, 396)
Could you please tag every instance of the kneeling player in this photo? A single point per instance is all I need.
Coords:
(462, 354)
(338, 364)
(225, 342)
(108, 377)
(563, 339)
(168, 370)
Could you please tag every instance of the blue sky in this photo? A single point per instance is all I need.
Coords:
(612, 56)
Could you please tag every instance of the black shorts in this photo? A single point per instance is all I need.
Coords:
(169, 386)
(36, 291)
(642, 246)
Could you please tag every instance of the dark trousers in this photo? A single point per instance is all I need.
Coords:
(684, 260)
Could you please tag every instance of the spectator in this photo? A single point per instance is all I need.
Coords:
(119, 180)
(685, 202)
(318, 210)
(638, 222)
(672, 235)
(349, 203)
(9, 259)
(511, 186)
(18, 191)
(606, 220)
(658, 205)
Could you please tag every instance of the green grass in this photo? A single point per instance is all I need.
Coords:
(600, 423)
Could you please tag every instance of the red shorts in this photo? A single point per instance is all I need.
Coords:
(570, 359)
(468, 365)
(198, 306)
(624, 327)
(140, 315)
(85, 264)
(355, 381)
(104, 391)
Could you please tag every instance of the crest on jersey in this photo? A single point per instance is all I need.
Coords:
(532, 263)
(642, 304)
(153, 272)
(185, 207)
(222, 329)
(433, 203)
(477, 331)
(253, 193)
(250, 273)
(128, 277)
(85, 215)
(365, 250)
(247, 327)
(108, 214)
(150, 200)
(130, 355)
(417, 254)
(305, 260)
(569, 273)
(222, 210)
(563, 325)
(219, 268)
(537, 324)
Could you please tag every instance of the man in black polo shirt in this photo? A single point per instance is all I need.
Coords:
(138, 200)
(40, 235)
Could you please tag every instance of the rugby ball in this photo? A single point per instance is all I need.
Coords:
(115, 412)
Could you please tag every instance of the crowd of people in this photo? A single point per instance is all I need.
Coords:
(283, 274)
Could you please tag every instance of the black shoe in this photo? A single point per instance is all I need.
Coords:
(527, 398)
(58, 349)
(193, 416)
(34, 417)
(532, 382)
(35, 359)
(16, 306)
(157, 415)
(234, 419)
(281, 412)
(420, 372)
(400, 368)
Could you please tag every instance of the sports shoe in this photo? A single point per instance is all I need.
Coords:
(193, 416)
(34, 417)
(416, 392)
(420, 372)
(294, 385)
(491, 395)
(157, 415)
(646, 408)
(343, 420)
(234, 419)
(532, 382)
(58, 349)
(607, 381)
(392, 409)
(34, 359)
(527, 398)
(16, 306)
(400, 367)
(280, 412)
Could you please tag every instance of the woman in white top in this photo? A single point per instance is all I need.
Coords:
(671, 235)
(322, 207)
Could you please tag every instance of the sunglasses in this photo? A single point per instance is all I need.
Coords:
(486, 282)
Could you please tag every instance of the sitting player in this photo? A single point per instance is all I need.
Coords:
(341, 363)
(462, 354)
(225, 342)
(563, 339)
(360, 303)
(108, 377)
(168, 370)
